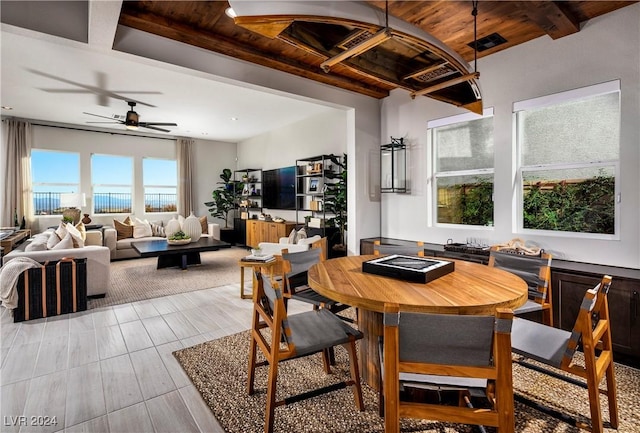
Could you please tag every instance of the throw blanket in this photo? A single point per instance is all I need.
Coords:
(9, 274)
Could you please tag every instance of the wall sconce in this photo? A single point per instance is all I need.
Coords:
(393, 166)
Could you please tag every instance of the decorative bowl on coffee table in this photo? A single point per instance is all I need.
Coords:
(178, 241)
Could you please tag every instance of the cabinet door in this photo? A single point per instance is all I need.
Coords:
(252, 233)
(568, 292)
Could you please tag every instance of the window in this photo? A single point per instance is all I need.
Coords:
(53, 173)
(160, 177)
(112, 180)
(568, 150)
(462, 148)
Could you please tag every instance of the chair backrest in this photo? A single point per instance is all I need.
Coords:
(592, 322)
(407, 250)
(535, 270)
(462, 347)
(269, 303)
(296, 265)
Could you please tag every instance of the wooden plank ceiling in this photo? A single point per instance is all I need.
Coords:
(204, 24)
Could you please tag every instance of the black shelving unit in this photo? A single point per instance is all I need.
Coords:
(249, 199)
(312, 177)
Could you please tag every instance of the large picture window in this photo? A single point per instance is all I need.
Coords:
(462, 149)
(568, 150)
(160, 177)
(53, 173)
(112, 180)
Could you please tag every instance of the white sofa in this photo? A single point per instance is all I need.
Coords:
(275, 249)
(98, 263)
(122, 249)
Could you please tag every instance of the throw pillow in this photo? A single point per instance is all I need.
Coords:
(76, 237)
(83, 230)
(123, 230)
(142, 229)
(61, 231)
(64, 244)
(204, 224)
(292, 236)
(53, 240)
(157, 229)
(302, 234)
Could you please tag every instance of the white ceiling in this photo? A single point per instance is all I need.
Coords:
(50, 79)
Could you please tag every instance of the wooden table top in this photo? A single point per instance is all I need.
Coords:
(471, 289)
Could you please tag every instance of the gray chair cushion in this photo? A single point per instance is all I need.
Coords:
(540, 342)
(313, 331)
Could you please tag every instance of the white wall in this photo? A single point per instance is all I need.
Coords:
(210, 157)
(322, 134)
(605, 49)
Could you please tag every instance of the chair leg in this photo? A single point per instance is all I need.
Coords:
(355, 374)
(592, 388)
(326, 361)
(252, 365)
(271, 396)
(612, 397)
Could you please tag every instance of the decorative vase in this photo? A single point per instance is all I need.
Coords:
(192, 227)
(86, 220)
(172, 227)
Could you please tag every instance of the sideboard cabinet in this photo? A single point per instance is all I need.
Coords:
(266, 231)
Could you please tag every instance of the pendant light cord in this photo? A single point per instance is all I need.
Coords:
(386, 14)
(474, 12)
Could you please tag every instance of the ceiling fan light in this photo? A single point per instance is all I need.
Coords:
(131, 127)
(132, 119)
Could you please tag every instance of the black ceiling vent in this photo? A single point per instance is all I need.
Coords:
(490, 41)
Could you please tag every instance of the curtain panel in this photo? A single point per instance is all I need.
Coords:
(185, 174)
(16, 194)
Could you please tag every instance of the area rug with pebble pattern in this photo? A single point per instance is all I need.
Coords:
(218, 369)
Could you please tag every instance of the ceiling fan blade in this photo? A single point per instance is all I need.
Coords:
(153, 127)
(156, 124)
(104, 117)
(114, 122)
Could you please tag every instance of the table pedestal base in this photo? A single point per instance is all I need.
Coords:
(178, 260)
(370, 324)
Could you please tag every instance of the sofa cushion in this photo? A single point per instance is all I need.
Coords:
(65, 243)
(61, 231)
(76, 236)
(293, 236)
(157, 229)
(141, 229)
(83, 230)
(124, 229)
(53, 240)
(37, 245)
(204, 224)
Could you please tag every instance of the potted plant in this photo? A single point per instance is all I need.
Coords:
(336, 202)
(224, 198)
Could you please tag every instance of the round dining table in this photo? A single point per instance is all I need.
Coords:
(471, 288)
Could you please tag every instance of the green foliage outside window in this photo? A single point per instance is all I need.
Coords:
(586, 206)
(468, 203)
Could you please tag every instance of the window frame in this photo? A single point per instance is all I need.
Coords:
(145, 186)
(573, 95)
(77, 186)
(130, 186)
(433, 175)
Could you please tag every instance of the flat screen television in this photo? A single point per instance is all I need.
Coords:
(279, 189)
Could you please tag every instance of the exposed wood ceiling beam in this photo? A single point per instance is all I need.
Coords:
(552, 17)
(162, 26)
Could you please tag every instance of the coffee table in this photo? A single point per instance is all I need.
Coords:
(177, 255)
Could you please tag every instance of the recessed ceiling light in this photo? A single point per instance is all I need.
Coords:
(230, 12)
(234, 118)
(6, 107)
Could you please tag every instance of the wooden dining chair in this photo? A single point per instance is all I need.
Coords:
(536, 271)
(380, 249)
(292, 337)
(556, 348)
(294, 279)
(468, 355)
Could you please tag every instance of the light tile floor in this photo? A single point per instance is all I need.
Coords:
(111, 369)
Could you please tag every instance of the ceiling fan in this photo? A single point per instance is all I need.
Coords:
(130, 121)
